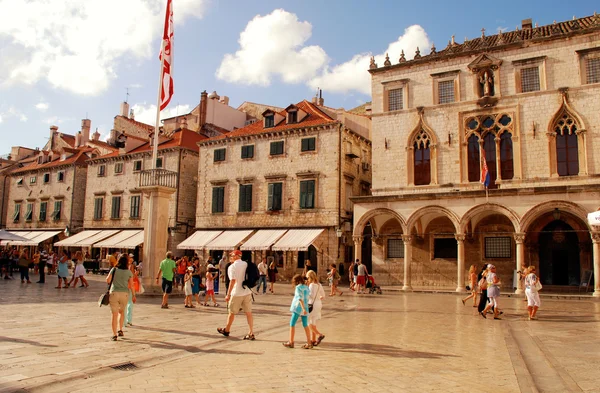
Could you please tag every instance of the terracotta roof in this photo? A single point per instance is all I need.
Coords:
(69, 139)
(212, 127)
(316, 117)
(184, 138)
(486, 43)
(79, 157)
(102, 144)
(138, 123)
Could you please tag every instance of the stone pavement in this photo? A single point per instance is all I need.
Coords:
(59, 341)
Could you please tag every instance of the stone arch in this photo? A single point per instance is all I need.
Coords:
(546, 207)
(420, 132)
(369, 215)
(567, 111)
(439, 210)
(496, 208)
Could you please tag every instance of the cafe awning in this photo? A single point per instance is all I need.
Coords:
(114, 241)
(133, 241)
(16, 242)
(297, 240)
(229, 240)
(263, 239)
(33, 238)
(198, 240)
(90, 241)
(70, 241)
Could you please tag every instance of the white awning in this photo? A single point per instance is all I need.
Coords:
(133, 241)
(89, 241)
(263, 239)
(229, 240)
(198, 240)
(40, 237)
(70, 241)
(26, 235)
(114, 241)
(297, 240)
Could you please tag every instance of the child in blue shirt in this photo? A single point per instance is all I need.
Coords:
(299, 309)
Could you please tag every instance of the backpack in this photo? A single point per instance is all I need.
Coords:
(252, 275)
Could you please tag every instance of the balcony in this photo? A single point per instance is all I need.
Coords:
(158, 178)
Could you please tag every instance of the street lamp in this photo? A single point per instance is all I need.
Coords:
(339, 232)
(556, 214)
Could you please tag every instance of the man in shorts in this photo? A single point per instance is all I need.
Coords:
(167, 269)
(238, 298)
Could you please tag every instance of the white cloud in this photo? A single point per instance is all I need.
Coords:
(147, 113)
(42, 106)
(54, 120)
(273, 45)
(76, 45)
(353, 75)
(12, 112)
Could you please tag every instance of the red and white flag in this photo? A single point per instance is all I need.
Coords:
(485, 173)
(166, 58)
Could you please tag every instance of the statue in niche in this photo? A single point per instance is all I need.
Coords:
(486, 83)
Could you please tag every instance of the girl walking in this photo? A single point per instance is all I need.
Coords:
(79, 272)
(473, 286)
(272, 272)
(316, 295)
(135, 289)
(531, 291)
(299, 309)
(493, 292)
(210, 287)
(187, 287)
(334, 279)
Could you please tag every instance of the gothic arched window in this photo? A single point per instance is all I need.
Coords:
(473, 158)
(567, 156)
(489, 145)
(422, 161)
(507, 169)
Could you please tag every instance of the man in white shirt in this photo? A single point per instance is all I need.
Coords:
(238, 298)
(262, 278)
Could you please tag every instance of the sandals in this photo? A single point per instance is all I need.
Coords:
(307, 346)
(288, 344)
(249, 337)
(114, 338)
(463, 300)
(120, 333)
(483, 315)
(216, 305)
(223, 332)
(319, 339)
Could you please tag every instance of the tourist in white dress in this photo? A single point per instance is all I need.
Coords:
(317, 293)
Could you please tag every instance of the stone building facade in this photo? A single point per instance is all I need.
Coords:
(526, 105)
(297, 168)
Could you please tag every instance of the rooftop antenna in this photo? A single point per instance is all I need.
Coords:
(127, 94)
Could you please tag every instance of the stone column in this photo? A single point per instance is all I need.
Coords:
(596, 252)
(460, 244)
(407, 261)
(156, 235)
(358, 239)
(519, 239)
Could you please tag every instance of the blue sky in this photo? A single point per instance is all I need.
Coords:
(65, 60)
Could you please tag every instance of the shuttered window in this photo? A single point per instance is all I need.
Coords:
(274, 199)
(307, 194)
(245, 203)
(218, 199)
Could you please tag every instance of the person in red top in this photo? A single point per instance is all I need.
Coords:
(181, 268)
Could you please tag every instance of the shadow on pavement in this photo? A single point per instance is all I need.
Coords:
(190, 348)
(382, 350)
(173, 331)
(21, 341)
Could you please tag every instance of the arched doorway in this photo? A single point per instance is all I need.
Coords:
(367, 248)
(311, 255)
(559, 254)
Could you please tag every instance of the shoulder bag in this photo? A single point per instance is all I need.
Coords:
(105, 297)
(538, 285)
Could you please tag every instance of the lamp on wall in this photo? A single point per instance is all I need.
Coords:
(339, 232)
(556, 214)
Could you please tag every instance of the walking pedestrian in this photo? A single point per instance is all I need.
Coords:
(167, 269)
(181, 270)
(187, 285)
(299, 309)
(79, 272)
(351, 276)
(196, 280)
(482, 284)
(132, 291)
(361, 277)
(472, 286)
(24, 266)
(43, 257)
(238, 296)
(307, 267)
(63, 270)
(334, 279)
(262, 278)
(122, 283)
(532, 283)
(272, 272)
(317, 293)
(210, 286)
(493, 292)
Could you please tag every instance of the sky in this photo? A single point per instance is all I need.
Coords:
(62, 61)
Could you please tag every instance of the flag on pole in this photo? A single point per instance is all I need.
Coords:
(485, 174)
(166, 57)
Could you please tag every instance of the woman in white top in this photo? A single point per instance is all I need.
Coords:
(79, 271)
(493, 292)
(317, 293)
(531, 291)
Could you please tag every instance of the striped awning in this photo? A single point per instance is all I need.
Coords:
(114, 241)
(72, 240)
(297, 240)
(90, 241)
(198, 240)
(229, 240)
(133, 241)
(33, 238)
(263, 239)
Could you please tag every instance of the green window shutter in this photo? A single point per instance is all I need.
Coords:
(242, 198)
(249, 198)
(270, 197)
(310, 197)
(215, 199)
(302, 195)
(277, 196)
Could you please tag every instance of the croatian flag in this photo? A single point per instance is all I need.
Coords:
(485, 174)
(166, 57)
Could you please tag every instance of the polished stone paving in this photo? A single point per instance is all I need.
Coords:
(55, 340)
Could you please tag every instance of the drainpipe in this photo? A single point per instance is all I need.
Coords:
(73, 198)
(339, 201)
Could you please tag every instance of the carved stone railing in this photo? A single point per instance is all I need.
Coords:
(158, 177)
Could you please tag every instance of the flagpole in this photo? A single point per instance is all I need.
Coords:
(158, 102)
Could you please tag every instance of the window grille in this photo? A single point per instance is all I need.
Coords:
(446, 92)
(593, 70)
(395, 248)
(395, 99)
(530, 79)
(498, 247)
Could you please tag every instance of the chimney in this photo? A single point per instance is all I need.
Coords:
(183, 122)
(78, 139)
(124, 109)
(86, 125)
(131, 114)
(96, 136)
(321, 101)
(225, 100)
(203, 108)
(526, 24)
(53, 131)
